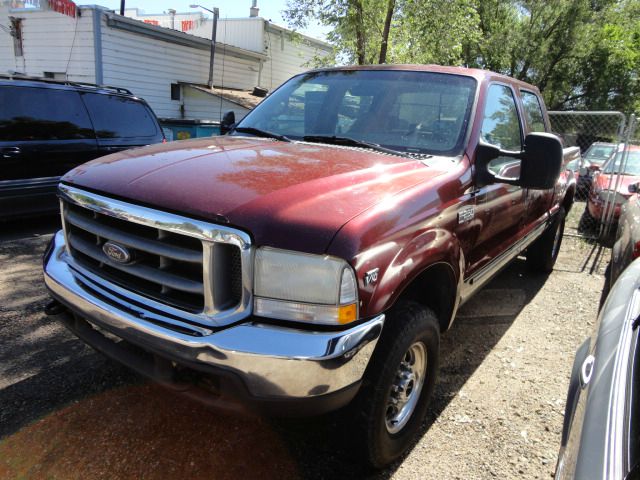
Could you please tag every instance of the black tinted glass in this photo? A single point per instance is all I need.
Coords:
(116, 117)
(42, 114)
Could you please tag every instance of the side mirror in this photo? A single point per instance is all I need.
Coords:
(634, 188)
(227, 123)
(540, 162)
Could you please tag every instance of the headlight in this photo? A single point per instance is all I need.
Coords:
(612, 196)
(305, 288)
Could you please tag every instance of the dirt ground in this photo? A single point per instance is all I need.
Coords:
(67, 413)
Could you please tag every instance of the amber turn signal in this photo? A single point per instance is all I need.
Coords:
(347, 313)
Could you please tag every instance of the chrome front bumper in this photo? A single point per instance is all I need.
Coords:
(273, 362)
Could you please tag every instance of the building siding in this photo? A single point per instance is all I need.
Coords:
(126, 54)
(52, 42)
(288, 55)
(247, 33)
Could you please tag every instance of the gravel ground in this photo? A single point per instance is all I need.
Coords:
(68, 413)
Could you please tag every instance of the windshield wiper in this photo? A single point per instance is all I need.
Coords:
(262, 133)
(351, 142)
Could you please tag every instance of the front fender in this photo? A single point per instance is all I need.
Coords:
(400, 264)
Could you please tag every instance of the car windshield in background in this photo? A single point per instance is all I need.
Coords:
(600, 153)
(405, 111)
(628, 166)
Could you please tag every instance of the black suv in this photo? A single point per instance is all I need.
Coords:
(48, 127)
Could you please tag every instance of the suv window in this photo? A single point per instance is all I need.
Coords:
(500, 124)
(533, 111)
(42, 114)
(118, 117)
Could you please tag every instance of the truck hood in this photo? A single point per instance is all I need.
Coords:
(602, 182)
(289, 195)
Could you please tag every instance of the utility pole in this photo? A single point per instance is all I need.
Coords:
(214, 29)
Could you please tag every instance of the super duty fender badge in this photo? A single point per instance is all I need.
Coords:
(466, 214)
(371, 277)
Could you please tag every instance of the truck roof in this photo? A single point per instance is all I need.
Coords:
(479, 74)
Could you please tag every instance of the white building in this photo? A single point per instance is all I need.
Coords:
(287, 52)
(168, 68)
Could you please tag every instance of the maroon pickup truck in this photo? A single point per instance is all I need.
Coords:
(313, 256)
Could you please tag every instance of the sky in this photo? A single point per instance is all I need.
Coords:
(269, 9)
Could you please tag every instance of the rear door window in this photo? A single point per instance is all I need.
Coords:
(119, 117)
(36, 114)
(533, 111)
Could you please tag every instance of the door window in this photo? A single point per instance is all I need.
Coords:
(533, 111)
(119, 117)
(42, 114)
(501, 127)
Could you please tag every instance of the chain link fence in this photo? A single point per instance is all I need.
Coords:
(604, 171)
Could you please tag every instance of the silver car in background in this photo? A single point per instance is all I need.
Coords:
(601, 433)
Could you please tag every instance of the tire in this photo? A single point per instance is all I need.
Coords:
(542, 254)
(587, 223)
(411, 334)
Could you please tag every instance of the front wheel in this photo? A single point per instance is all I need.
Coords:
(542, 254)
(393, 400)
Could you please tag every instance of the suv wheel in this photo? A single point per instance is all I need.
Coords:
(393, 400)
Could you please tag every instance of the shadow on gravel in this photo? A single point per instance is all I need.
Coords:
(144, 431)
(29, 227)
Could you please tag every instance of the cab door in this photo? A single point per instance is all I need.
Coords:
(500, 207)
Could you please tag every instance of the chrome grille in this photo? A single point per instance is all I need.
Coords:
(183, 264)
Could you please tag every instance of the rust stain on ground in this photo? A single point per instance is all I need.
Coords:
(144, 432)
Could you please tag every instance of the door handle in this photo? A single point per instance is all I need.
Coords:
(8, 152)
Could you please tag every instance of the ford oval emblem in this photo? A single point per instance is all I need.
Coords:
(116, 252)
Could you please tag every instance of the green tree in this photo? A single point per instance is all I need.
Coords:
(581, 54)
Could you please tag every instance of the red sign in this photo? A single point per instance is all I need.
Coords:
(67, 7)
(187, 25)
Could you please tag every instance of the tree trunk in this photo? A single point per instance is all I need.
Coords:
(359, 25)
(385, 32)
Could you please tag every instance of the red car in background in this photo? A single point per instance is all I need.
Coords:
(611, 184)
(585, 167)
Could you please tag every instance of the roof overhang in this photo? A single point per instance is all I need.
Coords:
(239, 97)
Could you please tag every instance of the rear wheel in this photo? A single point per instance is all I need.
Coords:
(587, 223)
(393, 400)
(542, 254)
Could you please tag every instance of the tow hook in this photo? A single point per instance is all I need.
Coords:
(54, 307)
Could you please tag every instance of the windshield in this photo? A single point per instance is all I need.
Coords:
(411, 112)
(632, 167)
(598, 153)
